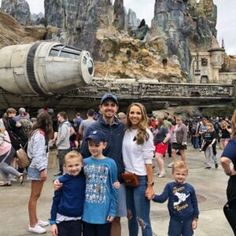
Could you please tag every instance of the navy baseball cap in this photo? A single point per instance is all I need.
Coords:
(96, 136)
(109, 96)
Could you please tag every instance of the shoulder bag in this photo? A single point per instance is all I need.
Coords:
(130, 179)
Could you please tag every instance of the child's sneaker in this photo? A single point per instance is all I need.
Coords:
(43, 223)
(170, 165)
(37, 229)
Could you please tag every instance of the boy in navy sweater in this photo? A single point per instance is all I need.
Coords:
(182, 204)
(68, 201)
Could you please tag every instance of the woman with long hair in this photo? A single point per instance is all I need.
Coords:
(228, 162)
(138, 151)
(37, 172)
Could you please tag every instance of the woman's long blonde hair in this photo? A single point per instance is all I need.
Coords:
(142, 134)
(233, 125)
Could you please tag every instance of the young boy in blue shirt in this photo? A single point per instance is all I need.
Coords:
(68, 200)
(101, 195)
(182, 202)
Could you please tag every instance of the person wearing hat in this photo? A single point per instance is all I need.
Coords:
(100, 195)
(22, 115)
(113, 130)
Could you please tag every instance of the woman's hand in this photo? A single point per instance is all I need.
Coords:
(43, 175)
(149, 192)
(54, 230)
(57, 185)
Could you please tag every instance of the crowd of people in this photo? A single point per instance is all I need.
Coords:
(106, 170)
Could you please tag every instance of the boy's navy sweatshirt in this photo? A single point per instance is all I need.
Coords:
(69, 199)
(182, 201)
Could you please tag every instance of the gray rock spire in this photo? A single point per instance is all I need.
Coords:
(19, 9)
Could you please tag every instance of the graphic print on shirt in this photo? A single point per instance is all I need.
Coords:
(96, 178)
(181, 198)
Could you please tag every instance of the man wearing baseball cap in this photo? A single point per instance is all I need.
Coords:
(113, 130)
(109, 97)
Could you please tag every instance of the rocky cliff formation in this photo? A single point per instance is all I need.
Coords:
(100, 27)
(122, 45)
(186, 25)
(19, 9)
(11, 32)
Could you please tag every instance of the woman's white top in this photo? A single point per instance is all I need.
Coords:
(136, 156)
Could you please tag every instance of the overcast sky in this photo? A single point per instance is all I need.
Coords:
(226, 21)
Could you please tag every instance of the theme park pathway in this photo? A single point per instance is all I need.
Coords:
(210, 186)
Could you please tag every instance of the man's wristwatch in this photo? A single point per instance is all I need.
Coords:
(150, 184)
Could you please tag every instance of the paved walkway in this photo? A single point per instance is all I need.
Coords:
(209, 184)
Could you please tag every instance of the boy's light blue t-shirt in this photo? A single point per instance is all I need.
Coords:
(100, 195)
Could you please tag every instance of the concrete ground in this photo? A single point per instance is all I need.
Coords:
(210, 187)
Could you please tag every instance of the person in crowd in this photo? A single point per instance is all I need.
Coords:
(225, 133)
(68, 201)
(86, 123)
(74, 144)
(208, 141)
(122, 117)
(77, 121)
(161, 138)
(17, 136)
(138, 151)
(228, 162)
(179, 140)
(22, 115)
(168, 120)
(202, 128)
(100, 205)
(7, 155)
(194, 131)
(152, 123)
(182, 202)
(24, 119)
(217, 128)
(114, 132)
(37, 171)
(62, 139)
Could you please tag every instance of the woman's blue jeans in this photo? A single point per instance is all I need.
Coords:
(138, 207)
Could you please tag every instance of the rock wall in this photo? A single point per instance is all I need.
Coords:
(115, 38)
(11, 32)
(79, 20)
(119, 14)
(185, 25)
(19, 9)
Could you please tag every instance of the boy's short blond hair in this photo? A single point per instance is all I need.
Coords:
(179, 165)
(71, 155)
